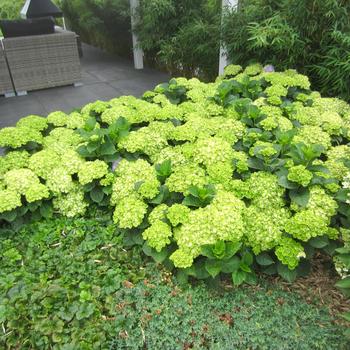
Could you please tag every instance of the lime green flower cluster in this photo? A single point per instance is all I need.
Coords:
(129, 212)
(9, 200)
(71, 204)
(221, 220)
(57, 118)
(289, 252)
(90, 171)
(275, 92)
(144, 140)
(264, 228)
(300, 175)
(96, 107)
(158, 235)
(129, 174)
(312, 135)
(62, 139)
(263, 190)
(178, 214)
(158, 213)
(14, 160)
(334, 162)
(15, 137)
(212, 150)
(25, 182)
(307, 224)
(232, 70)
(185, 176)
(265, 149)
(33, 122)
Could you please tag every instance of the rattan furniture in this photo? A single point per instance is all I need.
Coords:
(6, 87)
(43, 61)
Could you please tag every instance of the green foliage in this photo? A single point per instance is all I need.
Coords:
(156, 316)
(312, 37)
(58, 278)
(10, 9)
(105, 23)
(182, 36)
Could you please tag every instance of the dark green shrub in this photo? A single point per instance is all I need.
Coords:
(105, 23)
(311, 36)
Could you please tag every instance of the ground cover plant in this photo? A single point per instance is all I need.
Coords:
(246, 174)
(70, 284)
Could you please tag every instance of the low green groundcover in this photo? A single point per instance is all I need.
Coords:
(68, 284)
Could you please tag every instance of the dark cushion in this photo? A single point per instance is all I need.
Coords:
(25, 27)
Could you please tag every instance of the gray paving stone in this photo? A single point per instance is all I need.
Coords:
(104, 76)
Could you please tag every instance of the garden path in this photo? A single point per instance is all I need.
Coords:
(104, 76)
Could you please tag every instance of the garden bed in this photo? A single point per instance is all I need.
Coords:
(231, 180)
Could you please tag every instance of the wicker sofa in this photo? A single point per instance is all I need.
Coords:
(43, 61)
(6, 87)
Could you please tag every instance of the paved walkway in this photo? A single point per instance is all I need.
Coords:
(104, 76)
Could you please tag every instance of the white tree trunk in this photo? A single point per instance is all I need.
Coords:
(223, 52)
(138, 52)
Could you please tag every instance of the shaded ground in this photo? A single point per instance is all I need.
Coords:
(104, 76)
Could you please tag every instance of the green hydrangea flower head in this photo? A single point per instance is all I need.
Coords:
(76, 120)
(33, 122)
(129, 212)
(9, 199)
(264, 191)
(128, 174)
(184, 177)
(181, 259)
(158, 235)
(71, 204)
(93, 170)
(15, 137)
(307, 224)
(158, 213)
(220, 220)
(20, 180)
(57, 118)
(107, 180)
(212, 150)
(14, 160)
(60, 181)
(43, 162)
(220, 173)
(289, 252)
(36, 192)
(300, 175)
(265, 149)
(178, 214)
(240, 161)
(232, 70)
(61, 139)
(144, 140)
(95, 107)
(334, 162)
(253, 69)
(310, 135)
(331, 122)
(263, 228)
(321, 203)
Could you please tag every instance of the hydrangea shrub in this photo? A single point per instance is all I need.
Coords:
(213, 177)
